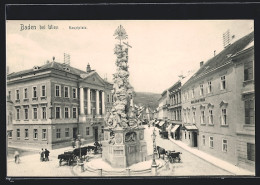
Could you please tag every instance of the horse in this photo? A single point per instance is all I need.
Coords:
(160, 151)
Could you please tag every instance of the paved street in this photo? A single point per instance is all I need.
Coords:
(191, 165)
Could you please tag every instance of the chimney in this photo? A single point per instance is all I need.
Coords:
(214, 52)
(201, 63)
(88, 68)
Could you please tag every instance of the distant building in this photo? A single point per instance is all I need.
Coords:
(218, 105)
(174, 110)
(163, 110)
(55, 102)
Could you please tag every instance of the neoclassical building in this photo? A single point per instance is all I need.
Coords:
(218, 105)
(55, 102)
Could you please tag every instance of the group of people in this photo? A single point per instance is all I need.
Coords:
(44, 155)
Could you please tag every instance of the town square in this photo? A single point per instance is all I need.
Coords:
(130, 98)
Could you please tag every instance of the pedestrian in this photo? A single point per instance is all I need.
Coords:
(16, 157)
(42, 155)
(73, 143)
(47, 152)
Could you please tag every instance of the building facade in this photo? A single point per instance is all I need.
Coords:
(54, 103)
(174, 111)
(163, 110)
(218, 105)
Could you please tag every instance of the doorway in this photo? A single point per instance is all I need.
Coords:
(95, 130)
(75, 132)
(195, 141)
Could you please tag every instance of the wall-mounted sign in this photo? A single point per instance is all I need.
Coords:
(198, 100)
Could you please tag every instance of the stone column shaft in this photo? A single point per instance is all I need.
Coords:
(97, 102)
(89, 103)
(103, 103)
(81, 100)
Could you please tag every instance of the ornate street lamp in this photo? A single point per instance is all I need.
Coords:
(78, 144)
(154, 165)
(80, 162)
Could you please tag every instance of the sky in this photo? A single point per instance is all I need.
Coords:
(161, 49)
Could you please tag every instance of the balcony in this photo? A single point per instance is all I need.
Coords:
(35, 98)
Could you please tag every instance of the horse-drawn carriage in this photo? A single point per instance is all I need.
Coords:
(74, 155)
(171, 155)
(163, 134)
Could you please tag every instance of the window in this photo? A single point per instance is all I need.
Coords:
(210, 117)
(26, 114)
(43, 91)
(224, 145)
(35, 133)
(108, 98)
(102, 129)
(10, 134)
(66, 92)
(248, 71)
(67, 132)
(57, 112)
(185, 118)
(201, 89)
(202, 117)
(18, 114)
(43, 112)
(192, 93)
(35, 113)
(187, 95)
(209, 87)
(25, 93)
(34, 92)
(203, 140)
(223, 117)
(87, 131)
(250, 152)
(211, 142)
(249, 112)
(44, 134)
(18, 133)
(74, 93)
(74, 114)
(10, 95)
(17, 95)
(223, 83)
(58, 133)
(57, 90)
(26, 134)
(188, 117)
(194, 117)
(66, 112)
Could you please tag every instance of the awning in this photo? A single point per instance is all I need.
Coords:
(191, 127)
(169, 127)
(157, 122)
(161, 123)
(175, 128)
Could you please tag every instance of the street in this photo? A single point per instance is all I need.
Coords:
(190, 165)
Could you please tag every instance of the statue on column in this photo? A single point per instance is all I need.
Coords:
(122, 113)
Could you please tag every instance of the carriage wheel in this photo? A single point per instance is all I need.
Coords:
(170, 159)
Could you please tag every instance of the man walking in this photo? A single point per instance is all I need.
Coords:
(42, 155)
(47, 152)
(16, 157)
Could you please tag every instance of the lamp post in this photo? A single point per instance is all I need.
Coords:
(78, 144)
(154, 165)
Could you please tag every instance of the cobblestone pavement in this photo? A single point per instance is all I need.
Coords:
(191, 165)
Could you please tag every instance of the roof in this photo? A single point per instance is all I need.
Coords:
(51, 65)
(224, 56)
